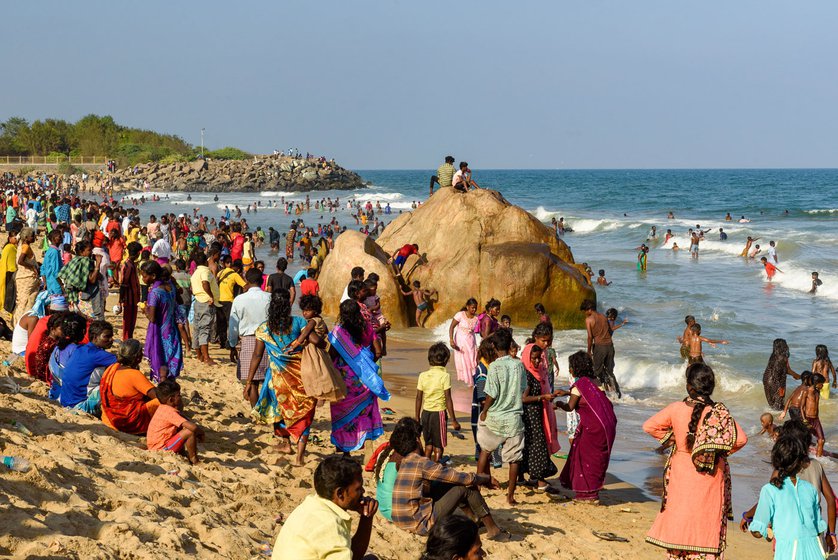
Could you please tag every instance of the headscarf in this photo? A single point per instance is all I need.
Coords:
(548, 415)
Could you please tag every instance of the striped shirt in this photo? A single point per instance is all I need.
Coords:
(411, 511)
(445, 174)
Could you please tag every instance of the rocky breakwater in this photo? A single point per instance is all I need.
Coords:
(471, 245)
(260, 173)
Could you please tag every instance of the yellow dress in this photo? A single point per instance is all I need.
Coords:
(8, 263)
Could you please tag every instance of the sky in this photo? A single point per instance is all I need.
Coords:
(397, 84)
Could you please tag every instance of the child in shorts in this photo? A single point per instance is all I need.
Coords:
(433, 400)
(168, 429)
(422, 300)
(485, 356)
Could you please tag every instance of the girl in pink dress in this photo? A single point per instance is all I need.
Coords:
(461, 333)
(692, 523)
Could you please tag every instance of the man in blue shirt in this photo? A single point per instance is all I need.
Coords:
(84, 369)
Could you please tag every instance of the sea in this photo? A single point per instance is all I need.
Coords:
(611, 213)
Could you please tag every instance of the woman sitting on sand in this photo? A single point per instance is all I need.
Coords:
(282, 400)
(356, 418)
(129, 400)
(463, 341)
(696, 501)
(590, 452)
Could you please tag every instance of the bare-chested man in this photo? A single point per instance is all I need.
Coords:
(696, 355)
(684, 339)
(805, 402)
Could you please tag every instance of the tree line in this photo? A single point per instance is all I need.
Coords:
(95, 135)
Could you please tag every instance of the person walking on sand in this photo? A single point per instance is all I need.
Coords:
(696, 499)
(463, 341)
(592, 439)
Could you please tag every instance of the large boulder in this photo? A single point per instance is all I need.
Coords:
(471, 245)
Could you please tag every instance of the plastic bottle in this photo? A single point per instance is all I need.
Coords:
(21, 428)
(18, 464)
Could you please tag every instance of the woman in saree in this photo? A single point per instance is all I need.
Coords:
(8, 266)
(290, 239)
(129, 400)
(356, 418)
(587, 462)
(463, 341)
(163, 346)
(27, 278)
(774, 377)
(282, 400)
(696, 502)
(539, 421)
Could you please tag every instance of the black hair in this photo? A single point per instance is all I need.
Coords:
(97, 328)
(701, 381)
(134, 249)
(167, 389)
(539, 308)
(581, 365)
(281, 264)
(311, 273)
(502, 339)
(73, 329)
(822, 352)
(796, 428)
(333, 473)
(370, 283)
(279, 312)
(354, 289)
(487, 350)
(695, 327)
(450, 537)
(373, 276)
(311, 303)
(689, 318)
(416, 284)
(152, 268)
(357, 272)
(611, 313)
(788, 457)
(82, 246)
(469, 301)
(505, 318)
(602, 272)
(254, 276)
(405, 437)
(199, 258)
(438, 354)
(492, 303)
(588, 305)
(352, 320)
(542, 330)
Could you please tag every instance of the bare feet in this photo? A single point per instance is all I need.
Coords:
(284, 446)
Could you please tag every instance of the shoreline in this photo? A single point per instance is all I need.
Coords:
(88, 483)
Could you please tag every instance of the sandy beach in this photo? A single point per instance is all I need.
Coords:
(96, 493)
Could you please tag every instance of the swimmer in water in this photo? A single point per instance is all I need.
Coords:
(768, 427)
(747, 248)
(770, 269)
(696, 354)
(670, 216)
(754, 252)
(722, 235)
(668, 236)
(728, 218)
(601, 280)
(675, 247)
(653, 233)
(815, 283)
(744, 220)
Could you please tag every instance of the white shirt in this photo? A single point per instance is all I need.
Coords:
(249, 310)
(31, 217)
(161, 249)
(772, 254)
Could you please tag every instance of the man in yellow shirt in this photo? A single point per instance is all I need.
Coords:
(228, 278)
(207, 298)
(319, 528)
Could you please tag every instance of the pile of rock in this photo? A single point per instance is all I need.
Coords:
(260, 173)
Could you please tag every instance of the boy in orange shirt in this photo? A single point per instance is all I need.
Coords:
(168, 430)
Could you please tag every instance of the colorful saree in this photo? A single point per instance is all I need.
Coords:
(356, 418)
(282, 399)
(587, 463)
(162, 343)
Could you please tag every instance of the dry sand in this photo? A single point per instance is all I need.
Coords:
(95, 493)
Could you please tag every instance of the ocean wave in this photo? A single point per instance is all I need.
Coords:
(822, 211)
(277, 194)
(795, 277)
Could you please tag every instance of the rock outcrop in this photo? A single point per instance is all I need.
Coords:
(471, 245)
(260, 173)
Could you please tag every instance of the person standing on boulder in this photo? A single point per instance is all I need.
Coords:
(400, 257)
(600, 345)
(444, 174)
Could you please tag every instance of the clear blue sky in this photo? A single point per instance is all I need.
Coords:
(400, 84)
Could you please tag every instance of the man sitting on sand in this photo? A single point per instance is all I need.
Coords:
(416, 511)
(319, 527)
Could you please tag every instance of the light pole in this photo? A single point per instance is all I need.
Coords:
(202, 143)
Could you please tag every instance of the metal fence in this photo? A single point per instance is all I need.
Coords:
(53, 160)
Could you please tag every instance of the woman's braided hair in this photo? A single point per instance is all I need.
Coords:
(788, 457)
(701, 381)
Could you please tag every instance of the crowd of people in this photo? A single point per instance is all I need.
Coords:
(198, 283)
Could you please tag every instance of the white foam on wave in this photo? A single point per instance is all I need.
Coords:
(364, 196)
(822, 211)
(277, 194)
(588, 226)
(728, 247)
(795, 277)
